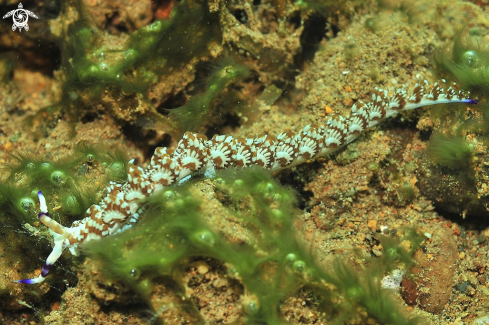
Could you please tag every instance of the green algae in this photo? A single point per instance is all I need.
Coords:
(189, 116)
(63, 178)
(272, 264)
(91, 70)
(69, 185)
(466, 58)
(450, 151)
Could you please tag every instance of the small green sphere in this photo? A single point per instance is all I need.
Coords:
(134, 273)
(290, 258)
(277, 214)
(150, 75)
(30, 166)
(99, 54)
(239, 183)
(213, 88)
(252, 307)
(299, 266)
(103, 66)
(58, 177)
(277, 197)
(93, 69)
(117, 169)
(204, 237)
(145, 287)
(169, 195)
(164, 262)
(220, 181)
(372, 24)
(392, 252)
(270, 187)
(72, 205)
(470, 59)
(180, 203)
(27, 204)
(46, 166)
(73, 95)
(265, 188)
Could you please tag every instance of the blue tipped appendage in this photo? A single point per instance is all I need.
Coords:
(59, 233)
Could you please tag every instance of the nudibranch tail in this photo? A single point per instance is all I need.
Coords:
(60, 235)
(194, 153)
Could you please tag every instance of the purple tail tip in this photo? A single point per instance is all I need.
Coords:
(39, 279)
(25, 281)
(472, 101)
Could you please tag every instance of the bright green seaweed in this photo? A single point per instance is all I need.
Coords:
(273, 265)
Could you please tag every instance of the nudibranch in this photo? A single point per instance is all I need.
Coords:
(194, 153)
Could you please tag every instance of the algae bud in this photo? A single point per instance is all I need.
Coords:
(72, 205)
(290, 258)
(134, 273)
(104, 66)
(169, 195)
(204, 237)
(299, 266)
(239, 183)
(46, 166)
(27, 204)
(58, 177)
(117, 170)
(470, 59)
(30, 166)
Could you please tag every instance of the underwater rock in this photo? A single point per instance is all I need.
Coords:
(429, 284)
(454, 191)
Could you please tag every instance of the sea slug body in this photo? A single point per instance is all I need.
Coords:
(122, 205)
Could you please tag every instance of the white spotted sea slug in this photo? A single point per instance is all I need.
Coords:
(194, 153)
